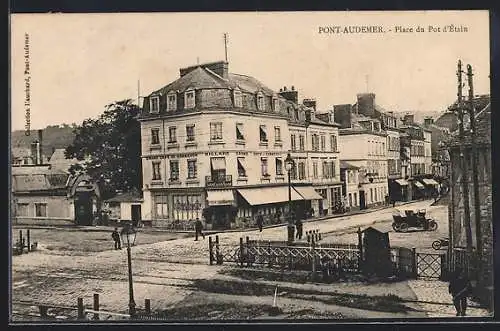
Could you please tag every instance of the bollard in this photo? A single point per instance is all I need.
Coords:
(218, 256)
(414, 262)
(96, 306)
(43, 311)
(319, 235)
(211, 250)
(360, 248)
(308, 237)
(81, 309)
(241, 251)
(28, 239)
(147, 306)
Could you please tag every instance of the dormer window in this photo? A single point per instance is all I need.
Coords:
(154, 104)
(260, 101)
(238, 100)
(275, 104)
(171, 101)
(189, 101)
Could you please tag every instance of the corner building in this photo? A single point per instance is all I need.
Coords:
(214, 146)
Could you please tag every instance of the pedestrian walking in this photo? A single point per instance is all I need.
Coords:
(260, 221)
(298, 227)
(198, 229)
(460, 287)
(116, 238)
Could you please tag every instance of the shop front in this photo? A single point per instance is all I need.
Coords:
(221, 209)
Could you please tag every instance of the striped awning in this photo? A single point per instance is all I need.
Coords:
(430, 181)
(419, 185)
(401, 182)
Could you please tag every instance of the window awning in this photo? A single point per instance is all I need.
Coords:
(430, 181)
(401, 182)
(220, 198)
(419, 185)
(308, 193)
(218, 163)
(266, 195)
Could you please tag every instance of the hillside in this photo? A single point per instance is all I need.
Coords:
(54, 137)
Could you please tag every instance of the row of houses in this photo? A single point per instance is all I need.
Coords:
(214, 146)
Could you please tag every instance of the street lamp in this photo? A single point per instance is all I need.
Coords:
(289, 164)
(130, 233)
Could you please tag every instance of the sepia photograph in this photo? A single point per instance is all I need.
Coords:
(250, 166)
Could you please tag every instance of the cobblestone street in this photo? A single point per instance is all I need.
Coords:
(436, 301)
(164, 270)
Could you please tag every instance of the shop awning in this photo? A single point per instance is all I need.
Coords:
(220, 198)
(401, 182)
(265, 195)
(308, 193)
(430, 181)
(419, 185)
(218, 163)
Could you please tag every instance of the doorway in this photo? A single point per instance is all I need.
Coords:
(135, 212)
(83, 208)
(362, 200)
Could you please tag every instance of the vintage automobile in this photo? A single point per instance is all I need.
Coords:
(413, 219)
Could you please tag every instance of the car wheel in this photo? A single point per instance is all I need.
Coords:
(433, 225)
(396, 227)
(436, 245)
(403, 227)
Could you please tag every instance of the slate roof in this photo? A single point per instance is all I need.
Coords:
(131, 196)
(347, 165)
(203, 78)
(36, 179)
(20, 152)
(483, 130)
(58, 160)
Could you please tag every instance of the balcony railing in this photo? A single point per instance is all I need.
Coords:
(219, 181)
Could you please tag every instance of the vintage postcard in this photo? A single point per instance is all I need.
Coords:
(251, 166)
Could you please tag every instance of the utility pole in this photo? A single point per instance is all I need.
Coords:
(464, 162)
(225, 44)
(477, 204)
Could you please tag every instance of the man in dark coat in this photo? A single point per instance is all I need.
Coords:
(198, 229)
(298, 226)
(460, 287)
(260, 221)
(116, 238)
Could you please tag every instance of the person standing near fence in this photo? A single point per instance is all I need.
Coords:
(460, 287)
(298, 227)
(198, 229)
(260, 221)
(116, 238)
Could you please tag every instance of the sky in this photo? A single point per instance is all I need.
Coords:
(78, 63)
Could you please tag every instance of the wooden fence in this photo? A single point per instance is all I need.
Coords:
(79, 312)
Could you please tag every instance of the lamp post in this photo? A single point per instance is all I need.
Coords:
(289, 164)
(130, 234)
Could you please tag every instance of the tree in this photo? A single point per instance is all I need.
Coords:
(110, 148)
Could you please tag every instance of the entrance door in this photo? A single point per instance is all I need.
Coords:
(83, 208)
(135, 212)
(362, 202)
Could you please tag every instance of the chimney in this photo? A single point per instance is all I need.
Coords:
(428, 121)
(342, 114)
(292, 95)
(408, 119)
(34, 152)
(310, 103)
(366, 104)
(221, 68)
(331, 116)
(39, 146)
